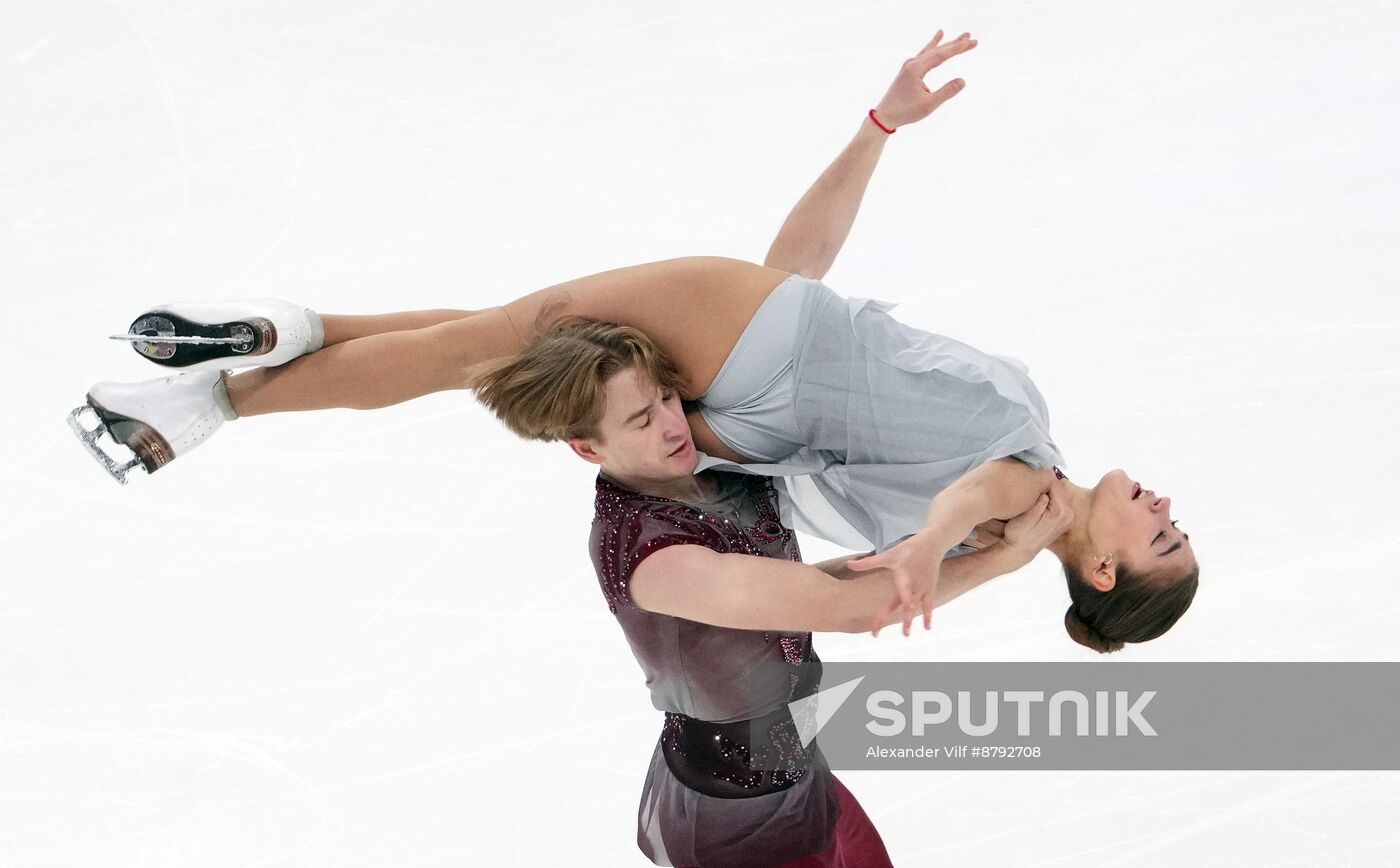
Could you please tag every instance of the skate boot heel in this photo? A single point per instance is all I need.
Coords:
(151, 449)
(196, 336)
(157, 420)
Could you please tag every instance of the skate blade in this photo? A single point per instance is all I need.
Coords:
(176, 339)
(89, 437)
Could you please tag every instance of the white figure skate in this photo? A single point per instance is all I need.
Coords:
(158, 420)
(216, 335)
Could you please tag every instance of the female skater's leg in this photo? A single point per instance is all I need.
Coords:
(694, 309)
(341, 327)
(377, 370)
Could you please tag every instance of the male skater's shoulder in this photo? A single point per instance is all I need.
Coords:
(628, 526)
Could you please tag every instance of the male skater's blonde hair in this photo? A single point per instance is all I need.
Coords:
(554, 389)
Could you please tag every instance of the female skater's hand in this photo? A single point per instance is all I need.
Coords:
(1037, 527)
(908, 100)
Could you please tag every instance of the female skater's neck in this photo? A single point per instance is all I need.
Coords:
(1080, 501)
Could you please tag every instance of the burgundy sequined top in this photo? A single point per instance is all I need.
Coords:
(703, 808)
(692, 668)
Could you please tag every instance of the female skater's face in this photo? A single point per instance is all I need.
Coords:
(643, 435)
(1136, 523)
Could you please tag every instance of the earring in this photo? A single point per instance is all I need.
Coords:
(1108, 559)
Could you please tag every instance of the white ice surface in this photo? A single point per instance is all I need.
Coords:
(374, 638)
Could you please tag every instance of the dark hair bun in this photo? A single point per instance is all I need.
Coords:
(1086, 635)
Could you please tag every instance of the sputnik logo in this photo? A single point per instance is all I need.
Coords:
(811, 713)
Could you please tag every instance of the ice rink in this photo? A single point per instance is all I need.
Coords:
(373, 638)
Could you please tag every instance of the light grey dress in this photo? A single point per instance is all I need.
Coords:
(864, 419)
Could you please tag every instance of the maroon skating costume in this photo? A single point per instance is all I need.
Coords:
(715, 794)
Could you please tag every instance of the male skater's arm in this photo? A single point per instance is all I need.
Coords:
(818, 226)
(755, 593)
(958, 576)
(748, 592)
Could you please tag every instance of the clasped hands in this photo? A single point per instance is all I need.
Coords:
(914, 563)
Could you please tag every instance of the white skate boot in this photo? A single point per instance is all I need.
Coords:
(158, 420)
(216, 335)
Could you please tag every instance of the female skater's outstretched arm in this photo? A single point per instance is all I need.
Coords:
(816, 230)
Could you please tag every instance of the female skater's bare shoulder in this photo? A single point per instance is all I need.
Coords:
(723, 269)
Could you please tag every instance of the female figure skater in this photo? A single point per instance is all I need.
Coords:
(882, 434)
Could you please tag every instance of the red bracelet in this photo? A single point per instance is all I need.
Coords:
(878, 124)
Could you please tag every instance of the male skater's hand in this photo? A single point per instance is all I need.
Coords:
(914, 566)
(908, 99)
(1023, 537)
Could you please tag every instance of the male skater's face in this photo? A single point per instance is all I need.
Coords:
(643, 435)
